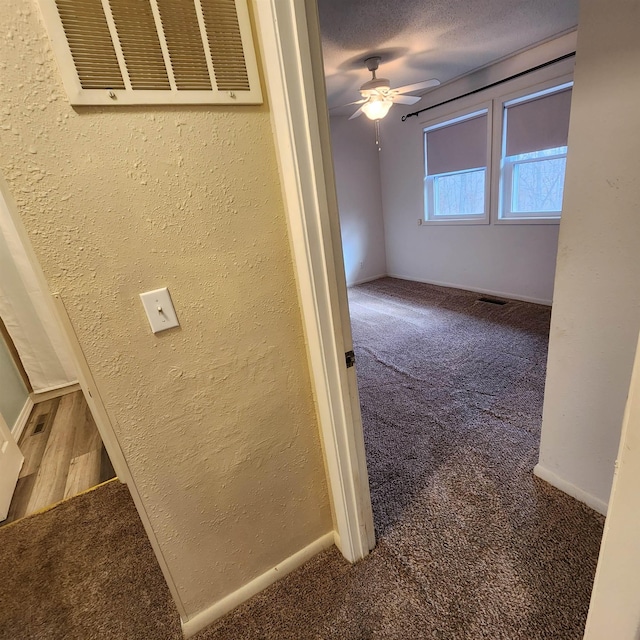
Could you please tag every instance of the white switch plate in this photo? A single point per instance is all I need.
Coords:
(159, 309)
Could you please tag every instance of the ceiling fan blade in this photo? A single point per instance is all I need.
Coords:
(406, 99)
(357, 114)
(348, 104)
(425, 84)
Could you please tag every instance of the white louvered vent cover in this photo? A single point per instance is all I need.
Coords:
(154, 51)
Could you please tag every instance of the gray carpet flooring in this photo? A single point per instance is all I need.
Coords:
(83, 570)
(470, 544)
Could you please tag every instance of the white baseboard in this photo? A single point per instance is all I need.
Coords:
(22, 419)
(491, 292)
(43, 396)
(579, 494)
(203, 619)
(369, 279)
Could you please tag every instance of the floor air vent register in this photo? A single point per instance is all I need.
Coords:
(492, 301)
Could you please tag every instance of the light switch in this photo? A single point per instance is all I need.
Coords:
(159, 309)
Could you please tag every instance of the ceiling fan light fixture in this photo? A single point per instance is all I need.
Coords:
(377, 107)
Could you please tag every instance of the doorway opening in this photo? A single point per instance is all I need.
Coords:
(64, 456)
(451, 384)
(52, 449)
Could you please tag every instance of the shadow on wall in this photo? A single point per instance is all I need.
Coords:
(353, 250)
(357, 171)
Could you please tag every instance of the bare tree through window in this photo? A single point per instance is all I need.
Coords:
(538, 180)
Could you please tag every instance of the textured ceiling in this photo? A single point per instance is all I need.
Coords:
(420, 39)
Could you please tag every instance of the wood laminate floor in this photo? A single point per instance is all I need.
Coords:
(63, 455)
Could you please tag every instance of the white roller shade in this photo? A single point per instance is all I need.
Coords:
(541, 123)
(458, 146)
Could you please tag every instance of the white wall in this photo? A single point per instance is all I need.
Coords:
(357, 168)
(596, 314)
(28, 316)
(615, 600)
(513, 260)
(13, 393)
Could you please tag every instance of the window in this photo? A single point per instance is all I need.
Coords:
(506, 156)
(534, 152)
(456, 176)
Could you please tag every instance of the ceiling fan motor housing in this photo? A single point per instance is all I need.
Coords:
(377, 85)
(372, 63)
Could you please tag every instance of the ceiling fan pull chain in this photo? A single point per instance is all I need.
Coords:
(377, 123)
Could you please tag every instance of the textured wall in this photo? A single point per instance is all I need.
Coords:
(357, 168)
(596, 313)
(216, 418)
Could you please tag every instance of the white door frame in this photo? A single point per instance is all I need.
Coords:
(11, 461)
(290, 36)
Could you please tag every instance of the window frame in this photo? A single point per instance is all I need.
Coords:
(499, 170)
(508, 169)
(428, 219)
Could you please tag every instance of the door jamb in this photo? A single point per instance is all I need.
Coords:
(289, 33)
(8, 340)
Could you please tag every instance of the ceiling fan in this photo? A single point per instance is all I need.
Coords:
(378, 96)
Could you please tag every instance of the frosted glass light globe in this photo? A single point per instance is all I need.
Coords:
(377, 107)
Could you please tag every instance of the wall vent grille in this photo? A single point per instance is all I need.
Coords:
(94, 55)
(225, 44)
(154, 51)
(140, 45)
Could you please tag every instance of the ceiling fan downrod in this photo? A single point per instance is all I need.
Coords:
(372, 64)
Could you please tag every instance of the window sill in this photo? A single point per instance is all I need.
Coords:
(500, 221)
(452, 222)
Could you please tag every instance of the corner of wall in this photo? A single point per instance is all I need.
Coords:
(357, 170)
(575, 492)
